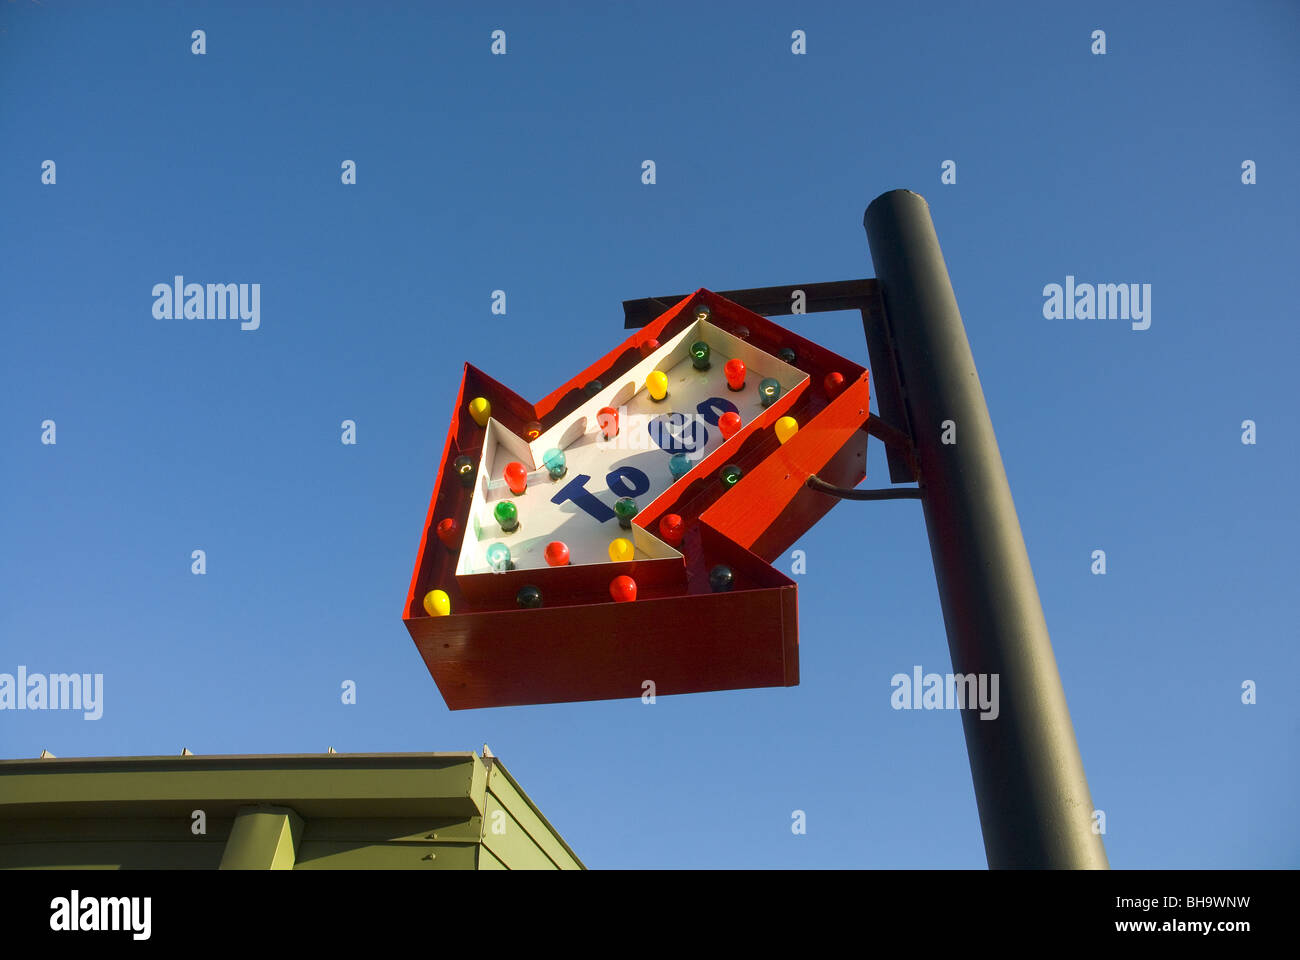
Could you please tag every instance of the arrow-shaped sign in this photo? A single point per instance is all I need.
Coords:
(615, 539)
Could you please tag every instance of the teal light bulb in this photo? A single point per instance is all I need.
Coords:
(679, 465)
(700, 355)
(498, 557)
(507, 515)
(768, 391)
(554, 461)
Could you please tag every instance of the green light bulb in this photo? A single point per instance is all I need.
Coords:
(507, 515)
(700, 355)
(625, 509)
(729, 475)
(768, 391)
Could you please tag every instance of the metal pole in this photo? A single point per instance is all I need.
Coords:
(1033, 799)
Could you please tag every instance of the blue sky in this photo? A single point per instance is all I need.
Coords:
(522, 172)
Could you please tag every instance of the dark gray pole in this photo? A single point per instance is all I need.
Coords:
(1034, 804)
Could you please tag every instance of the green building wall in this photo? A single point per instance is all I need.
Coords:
(392, 811)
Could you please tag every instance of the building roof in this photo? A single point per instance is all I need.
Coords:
(456, 786)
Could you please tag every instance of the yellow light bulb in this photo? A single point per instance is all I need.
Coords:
(657, 384)
(621, 550)
(786, 428)
(437, 603)
(480, 410)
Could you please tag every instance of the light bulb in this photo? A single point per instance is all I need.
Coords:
(480, 410)
(788, 355)
(833, 384)
(734, 371)
(593, 387)
(532, 430)
(498, 558)
(449, 533)
(554, 461)
(625, 509)
(657, 385)
(702, 312)
(621, 550)
(556, 554)
(507, 515)
(768, 391)
(721, 578)
(623, 589)
(516, 478)
(729, 475)
(649, 347)
(671, 529)
(742, 332)
(464, 468)
(679, 465)
(437, 603)
(786, 428)
(607, 419)
(529, 597)
(729, 423)
(700, 355)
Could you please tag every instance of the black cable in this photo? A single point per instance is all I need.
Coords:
(845, 493)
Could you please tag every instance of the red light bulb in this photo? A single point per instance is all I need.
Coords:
(734, 371)
(649, 347)
(729, 423)
(833, 384)
(622, 589)
(557, 554)
(449, 533)
(671, 529)
(517, 478)
(607, 417)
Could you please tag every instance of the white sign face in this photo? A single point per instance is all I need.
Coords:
(577, 508)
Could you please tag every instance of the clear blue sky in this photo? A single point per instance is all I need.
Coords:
(523, 172)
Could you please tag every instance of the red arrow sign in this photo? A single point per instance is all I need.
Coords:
(641, 429)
